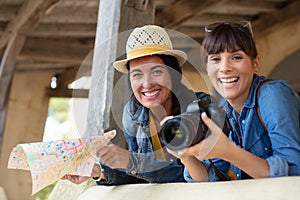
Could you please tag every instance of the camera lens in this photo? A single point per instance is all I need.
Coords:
(176, 133)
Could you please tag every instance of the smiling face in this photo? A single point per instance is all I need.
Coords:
(151, 82)
(231, 73)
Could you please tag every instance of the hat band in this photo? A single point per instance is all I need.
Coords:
(146, 50)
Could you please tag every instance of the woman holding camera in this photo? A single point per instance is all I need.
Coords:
(264, 114)
(154, 73)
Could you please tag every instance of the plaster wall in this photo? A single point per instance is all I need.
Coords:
(277, 44)
(26, 115)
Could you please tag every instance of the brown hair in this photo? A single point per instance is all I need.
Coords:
(231, 38)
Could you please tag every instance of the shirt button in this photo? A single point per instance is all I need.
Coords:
(243, 121)
(133, 172)
(266, 149)
(237, 175)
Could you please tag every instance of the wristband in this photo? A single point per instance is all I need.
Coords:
(101, 173)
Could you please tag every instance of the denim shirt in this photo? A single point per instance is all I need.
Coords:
(279, 108)
(142, 162)
(143, 167)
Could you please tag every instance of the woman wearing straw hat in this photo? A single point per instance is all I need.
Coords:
(154, 71)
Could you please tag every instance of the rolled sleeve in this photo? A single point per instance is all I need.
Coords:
(212, 177)
(283, 131)
(278, 166)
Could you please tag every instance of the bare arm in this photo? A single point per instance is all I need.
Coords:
(253, 165)
(218, 145)
(196, 169)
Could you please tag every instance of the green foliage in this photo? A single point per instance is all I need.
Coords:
(59, 108)
(45, 193)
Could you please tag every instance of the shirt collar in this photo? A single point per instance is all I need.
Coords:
(138, 112)
(250, 101)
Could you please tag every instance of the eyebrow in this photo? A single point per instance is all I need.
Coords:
(152, 68)
(135, 70)
(157, 66)
(234, 51)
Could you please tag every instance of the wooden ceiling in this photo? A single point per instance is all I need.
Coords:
(60, 33)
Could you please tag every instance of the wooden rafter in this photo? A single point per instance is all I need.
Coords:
(27, 18)
(13, 38)
(67, 93)
(181, 11)
(270, 22)
(54, 50)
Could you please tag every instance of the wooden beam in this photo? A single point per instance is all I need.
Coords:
(27, 18)
(54, 50)
(7, 12)
(67, 77)
(36, 66)
(181, 11)
(67, 93)
(205, 19)
(131, 18)
(273, 21)
(7, 66)
(14, 36)
(65, 30)
(73, 15)
(30, 10)
(75, 73)
(2, 122)
(102, 76)
(243, 8)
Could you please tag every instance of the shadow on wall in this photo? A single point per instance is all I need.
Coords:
(289, 70)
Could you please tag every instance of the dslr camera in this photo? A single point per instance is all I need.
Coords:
(187, 129)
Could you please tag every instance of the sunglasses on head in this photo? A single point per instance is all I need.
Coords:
(239, 25)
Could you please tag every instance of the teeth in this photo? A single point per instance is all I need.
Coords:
(228, 80)
(150, 94)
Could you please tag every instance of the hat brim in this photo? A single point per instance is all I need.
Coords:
(121, 65)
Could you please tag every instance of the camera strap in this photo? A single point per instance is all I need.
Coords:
(256, 104)
(244, 174)
(156, 143)
(220, 174)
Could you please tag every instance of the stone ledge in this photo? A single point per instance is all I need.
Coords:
(2, 194)
(270, 188)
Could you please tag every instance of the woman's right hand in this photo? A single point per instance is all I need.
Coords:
(214, 146)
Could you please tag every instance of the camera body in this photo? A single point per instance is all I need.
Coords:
(187, 129)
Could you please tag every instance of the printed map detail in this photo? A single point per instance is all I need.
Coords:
(49, 161)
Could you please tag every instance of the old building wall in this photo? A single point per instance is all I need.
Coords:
(277, 44)
(26, 115)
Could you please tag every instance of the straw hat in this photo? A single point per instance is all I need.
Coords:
(148, 40)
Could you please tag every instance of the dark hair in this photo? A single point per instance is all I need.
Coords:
(230, 38)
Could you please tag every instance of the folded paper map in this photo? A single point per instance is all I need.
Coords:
(49, 161)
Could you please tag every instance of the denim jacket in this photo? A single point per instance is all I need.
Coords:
(279, 108)
(143, 167)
